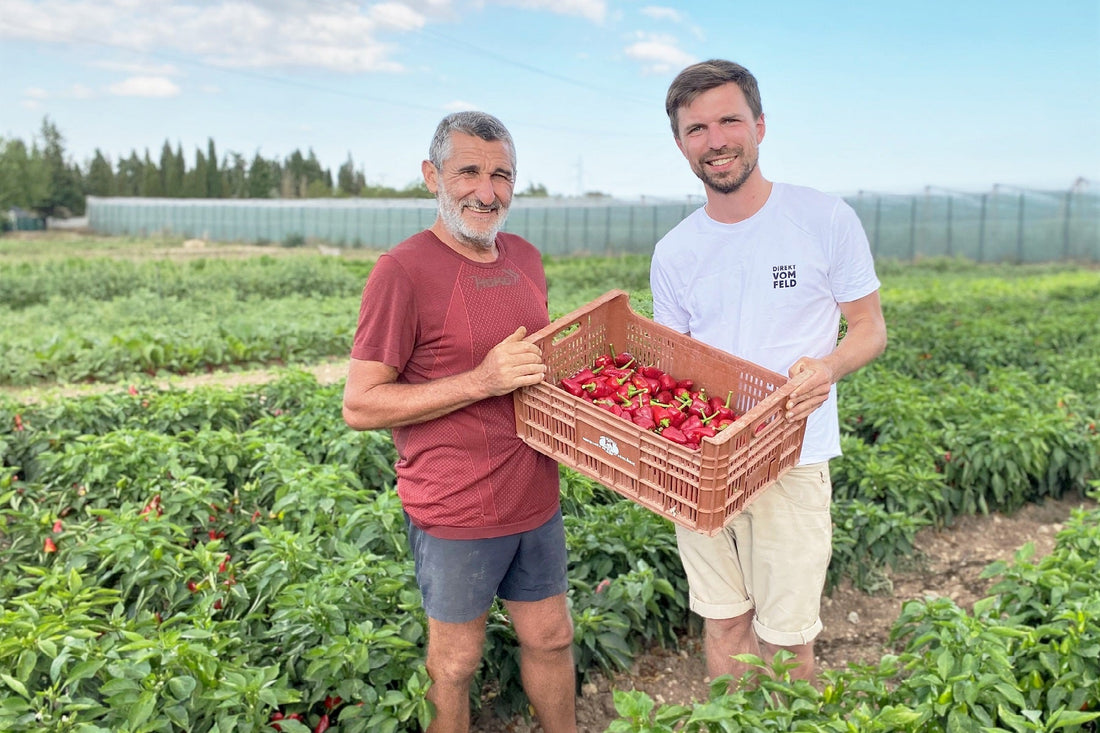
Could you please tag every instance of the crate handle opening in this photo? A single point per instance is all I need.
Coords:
(555, 331)
(776, 402)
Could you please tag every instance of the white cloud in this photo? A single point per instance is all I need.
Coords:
(459, 105)
(336, 35)
(145, 86)
(594, 10)
(398, 16)
(35, 93)
(659, 55)
(657, 12)
(663, 14)
(30, 104)
(138, 68)
(79, 91)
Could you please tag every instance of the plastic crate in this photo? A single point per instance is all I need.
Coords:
(698, 489)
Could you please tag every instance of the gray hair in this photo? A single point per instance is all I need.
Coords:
(478, 124)
(707, 75)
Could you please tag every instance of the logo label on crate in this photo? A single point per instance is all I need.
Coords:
(600, 444)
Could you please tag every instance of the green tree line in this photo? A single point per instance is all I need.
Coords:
(41, 178)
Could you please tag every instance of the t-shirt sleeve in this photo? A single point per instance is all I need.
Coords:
(387, 326)
(667, 308)
(852, 265)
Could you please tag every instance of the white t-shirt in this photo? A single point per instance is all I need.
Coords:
(767, 289)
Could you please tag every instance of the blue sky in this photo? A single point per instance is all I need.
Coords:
(875, 96)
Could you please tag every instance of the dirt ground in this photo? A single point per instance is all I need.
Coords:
(857, 625)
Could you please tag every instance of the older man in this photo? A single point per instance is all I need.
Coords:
(437, 353)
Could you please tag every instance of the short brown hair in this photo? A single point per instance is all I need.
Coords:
(707, 75)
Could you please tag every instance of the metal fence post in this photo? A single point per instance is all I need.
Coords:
(950, 199)
(981, 229)
(913, 228)
(1020, 230)
(1066, 225)
(607, 228)
(878, 223)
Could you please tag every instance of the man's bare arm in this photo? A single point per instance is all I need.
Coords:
(863, 342)
(373, 399)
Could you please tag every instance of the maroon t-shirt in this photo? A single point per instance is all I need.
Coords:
(429, 312)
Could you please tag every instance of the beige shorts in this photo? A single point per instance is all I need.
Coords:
(772, 558)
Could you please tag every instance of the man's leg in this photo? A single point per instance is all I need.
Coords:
(454, 653)
(803, 656)
(545, 632)
(726, 637)
(717, 592)
(787, 583)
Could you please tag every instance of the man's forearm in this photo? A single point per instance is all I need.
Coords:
(863, 342)
(396, 404)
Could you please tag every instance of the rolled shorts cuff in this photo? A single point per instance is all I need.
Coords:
(787, 638)
(719, 610)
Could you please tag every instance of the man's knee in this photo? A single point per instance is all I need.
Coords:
(455, 665)
(738, 626)
(548, 638)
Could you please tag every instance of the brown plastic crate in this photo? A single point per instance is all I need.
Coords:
(701, 490)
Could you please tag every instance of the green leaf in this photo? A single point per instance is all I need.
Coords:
(142, 709)
(1067, 718)
(14, 684)
(84, 670)
(182, 687)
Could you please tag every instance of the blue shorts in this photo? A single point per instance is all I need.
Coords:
(459, 579)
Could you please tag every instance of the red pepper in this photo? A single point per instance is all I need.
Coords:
(661, 414)
(675, 435)
(598, 387)
(688, 384)
(629, 405)
(604, 360)
(667, 382)
(691, 422)
(609, 405)
(322, 724)
(723, 408)
(618, 374)
(573, 386)
(645, 422)
(651, 371)
(641, 383)
(624, 358)
(699, 432)
(699, 405)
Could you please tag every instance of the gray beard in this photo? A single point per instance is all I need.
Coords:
(450, 211)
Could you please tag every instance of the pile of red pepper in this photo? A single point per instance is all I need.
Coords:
(651, 398)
